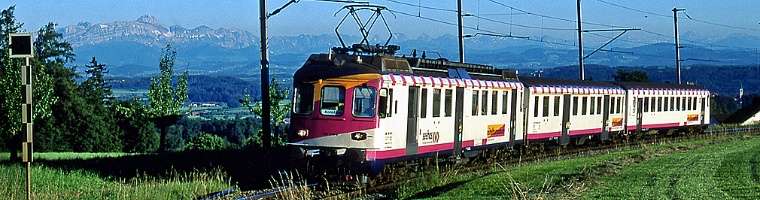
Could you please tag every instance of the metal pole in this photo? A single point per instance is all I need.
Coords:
(27, 84)
(678, 51)
(461, 31)
(580, 44)
(266, 118)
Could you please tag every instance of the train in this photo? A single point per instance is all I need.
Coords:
(365, 107)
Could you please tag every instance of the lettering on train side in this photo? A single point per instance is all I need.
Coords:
(429, 137)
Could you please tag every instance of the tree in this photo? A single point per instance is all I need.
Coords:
(278, 112)
(205, 141)
(165, 99)
(134, 121)
(10, 83)
(635, 76)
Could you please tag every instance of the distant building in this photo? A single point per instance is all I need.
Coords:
(746, 115)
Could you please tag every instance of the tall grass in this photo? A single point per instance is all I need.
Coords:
(56, 183)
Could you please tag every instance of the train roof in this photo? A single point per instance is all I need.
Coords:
(532, 81)
(649, 85)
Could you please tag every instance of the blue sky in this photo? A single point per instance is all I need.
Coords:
(316, 17)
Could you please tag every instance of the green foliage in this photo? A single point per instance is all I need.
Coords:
(205, 141)
(635, 76)
(278, 111)
(164, 98)
(139, 134)
(257, 141)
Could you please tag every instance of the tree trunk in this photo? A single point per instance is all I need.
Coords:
(14, 145)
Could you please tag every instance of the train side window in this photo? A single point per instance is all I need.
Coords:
(694, 105)
(504, 102)
(584, 105)
(557, 103)
(672, 104)
(575, 105)
(437, 103)
(653, 104)
(659, 104)
(475, 102)
(494, 103)
(599, 105)
(423, 103)
(383, 103)
(612, 105)
(645, 104)
(333, 98)
(617, 105)
(448, 103)
(364, 102)
(303, 99)
(484, 108)
(535, 107)
(593, 106)
(683, 103)
(688, 105)
(545, 106)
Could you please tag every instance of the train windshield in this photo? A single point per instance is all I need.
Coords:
(303, 99)
(364, 102)
(333, 98)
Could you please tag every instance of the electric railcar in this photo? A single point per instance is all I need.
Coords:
(368, 108)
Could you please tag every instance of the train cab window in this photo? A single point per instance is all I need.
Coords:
(475, 96)
(436, 102)
(484, 108)
(593, 106)
(504, 102)
(575, 105)
(333, 98)
(364, 102)
(423, 103)
(383, 103)
(494, 102)
(303, 99)
(617, 105)
(584, 105)
(599, 105)
(448, 103)
(557, 103)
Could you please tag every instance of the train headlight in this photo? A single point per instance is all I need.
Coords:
(358, 136)
(303, 133)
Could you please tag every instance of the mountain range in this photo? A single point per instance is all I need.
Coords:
(132, 48)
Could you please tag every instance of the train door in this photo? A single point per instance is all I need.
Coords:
(606, 118)
(702, 112)
(513, 118)
(411, 122)
(458, 121)
(565, 138)
(639, 109)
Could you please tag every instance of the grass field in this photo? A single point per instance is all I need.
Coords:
(722, 168)
(72, 182)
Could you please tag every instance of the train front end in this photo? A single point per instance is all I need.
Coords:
(334, 117)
